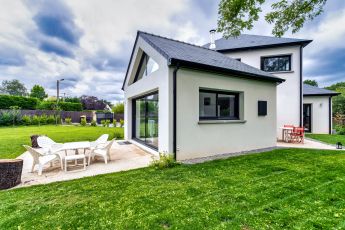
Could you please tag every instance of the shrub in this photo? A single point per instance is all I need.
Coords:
(118, 134)
(164, 161)
(6, 101)
(51, 119)
(68, 120)
(58, 119)
(5, 118)
(105, 123)
(15, 115)
(83, 122)
(26, 120)
(43, 119)
(114, 122)
(340, 129)
(65, 106)
(35, 120)
(93, 123)
(122, 122)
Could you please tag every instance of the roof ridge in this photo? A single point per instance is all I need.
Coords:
(175, 40)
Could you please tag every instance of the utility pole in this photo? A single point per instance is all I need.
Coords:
(58, 89)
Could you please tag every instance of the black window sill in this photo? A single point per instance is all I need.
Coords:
(286, 71)
(221, 121)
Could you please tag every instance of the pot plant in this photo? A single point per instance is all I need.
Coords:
(10, 172)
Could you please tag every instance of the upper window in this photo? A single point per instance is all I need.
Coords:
(276, 63)
(146, 66)
(218, 105)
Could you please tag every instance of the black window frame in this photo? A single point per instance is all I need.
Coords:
(276, 56)
(217, 117)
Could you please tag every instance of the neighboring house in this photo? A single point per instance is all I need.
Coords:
(317, 109)
(195, 102)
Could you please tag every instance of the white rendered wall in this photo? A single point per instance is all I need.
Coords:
(288, 93)
(156, 81)
(199, 140)
(319, 113)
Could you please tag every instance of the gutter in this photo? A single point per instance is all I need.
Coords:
(174, 108)
(301, 87)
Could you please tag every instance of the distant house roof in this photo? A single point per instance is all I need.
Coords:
(309, 90)
(186, 54)
(247, 41)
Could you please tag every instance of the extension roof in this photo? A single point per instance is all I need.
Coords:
(309, 90)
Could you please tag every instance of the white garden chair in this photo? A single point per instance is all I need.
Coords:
(48, 144)
(41, 159)
(103, 151)
(102, 140)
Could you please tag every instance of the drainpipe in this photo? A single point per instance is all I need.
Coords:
(174, 108)
(301, 87)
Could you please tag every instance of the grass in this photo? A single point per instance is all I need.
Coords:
(13, 138)
(281, 189)
(327, 138)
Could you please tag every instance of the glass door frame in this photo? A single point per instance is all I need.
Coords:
(307, 118)
(146, 119)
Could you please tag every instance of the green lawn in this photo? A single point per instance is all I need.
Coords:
(327, 138)
(12, 139)
(281, 189)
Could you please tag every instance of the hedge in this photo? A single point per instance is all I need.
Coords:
(6, 101)
(65, 106)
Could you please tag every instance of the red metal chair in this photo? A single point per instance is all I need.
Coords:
(297, 135)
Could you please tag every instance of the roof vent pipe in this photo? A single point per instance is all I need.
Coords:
(212, 42)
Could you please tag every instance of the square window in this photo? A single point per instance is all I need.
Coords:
(262, 108)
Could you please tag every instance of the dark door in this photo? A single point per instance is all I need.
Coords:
(307, 117)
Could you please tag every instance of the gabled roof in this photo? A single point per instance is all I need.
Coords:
(247, 41)
(309, 90)
(188, 55)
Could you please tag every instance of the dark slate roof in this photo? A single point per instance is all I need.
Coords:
(309, 90)
(247, 41)
(196, 56)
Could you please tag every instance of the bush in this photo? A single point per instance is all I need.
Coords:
(65, 106)
(51, 119)
(6, 101)
(43, 119)
(340, 129)
(164, 161)
(26, 120)
(105, 123)
(83, 122)
(122, 122)
(114, 122)
(6, 118)
(35, 120)
(93, 123)
(68, 120)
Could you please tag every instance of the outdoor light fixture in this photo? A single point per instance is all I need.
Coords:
(58, 88)
(339, 145)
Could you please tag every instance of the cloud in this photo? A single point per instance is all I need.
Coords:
(11, 57)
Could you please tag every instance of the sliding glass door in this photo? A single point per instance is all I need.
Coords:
(145, 119)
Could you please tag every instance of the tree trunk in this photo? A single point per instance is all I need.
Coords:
(10, 172)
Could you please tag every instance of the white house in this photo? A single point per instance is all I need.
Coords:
(195, 102)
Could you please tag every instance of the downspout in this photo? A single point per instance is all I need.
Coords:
(330, 115)
(174, 108)
(301, 86)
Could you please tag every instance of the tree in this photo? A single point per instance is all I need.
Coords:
(37, 91)
(238, 15)
(92, 103)
(13, 87)
(338, 101)
(311, 82)
(72, 99)
(119, 108)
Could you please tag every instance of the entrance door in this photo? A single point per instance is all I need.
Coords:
(145, 120)
(307, 117)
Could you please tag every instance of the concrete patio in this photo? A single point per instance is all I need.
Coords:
(308, 144)
(123, 157)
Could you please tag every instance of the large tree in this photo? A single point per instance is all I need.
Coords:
(92, 103)
(238, 15)
(338, 101)
(119, 108)
(38, 91)
(311, 82)
(13, 87)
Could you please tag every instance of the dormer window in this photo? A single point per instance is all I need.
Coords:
(146, 66)
(280, 63)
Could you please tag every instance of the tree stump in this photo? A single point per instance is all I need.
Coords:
(10, 172)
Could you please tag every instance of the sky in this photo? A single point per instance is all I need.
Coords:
(88, 42)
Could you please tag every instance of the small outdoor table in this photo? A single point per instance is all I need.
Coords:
(76, 145)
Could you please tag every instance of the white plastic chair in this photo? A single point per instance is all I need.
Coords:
(102, 151)
(102, 140)
(48, 144)
(41, 159)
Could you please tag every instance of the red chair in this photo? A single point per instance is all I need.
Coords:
(297, 135)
